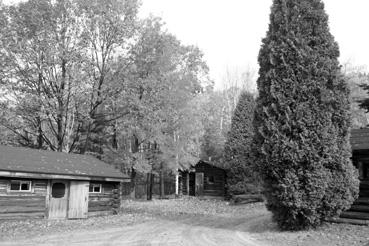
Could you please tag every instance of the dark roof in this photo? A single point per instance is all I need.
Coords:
(49, 162)
(360, 139)
(210, 165)
(200, 164)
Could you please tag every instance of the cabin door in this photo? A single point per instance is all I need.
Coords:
(78, 199)
(199, 180)
(363, 166)
(58, 203)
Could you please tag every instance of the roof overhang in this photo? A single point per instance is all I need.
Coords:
(16, 174)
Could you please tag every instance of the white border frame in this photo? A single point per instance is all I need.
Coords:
(93, 186)
(20, 186)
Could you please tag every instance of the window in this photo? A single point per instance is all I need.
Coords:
(58, 190)
(95, 188)
(20, 185)
(210, 180)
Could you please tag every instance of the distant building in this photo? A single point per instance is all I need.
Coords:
(203, 180)
(55, 185)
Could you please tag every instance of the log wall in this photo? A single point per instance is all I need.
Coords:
(22, 205)
(106, 202)
(214, 188)
(217, 187)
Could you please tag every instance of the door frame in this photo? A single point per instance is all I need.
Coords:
(199, 184)
(49, 195)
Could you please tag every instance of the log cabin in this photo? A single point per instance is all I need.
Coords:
(203, 180)
(359, 211)
(55, 185)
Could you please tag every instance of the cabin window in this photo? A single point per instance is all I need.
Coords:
(20, 185)
(58, 190)
(95, 188)
(210, 179)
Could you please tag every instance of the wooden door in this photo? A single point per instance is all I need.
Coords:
(199, 180)
(58, 203)
(78, 199)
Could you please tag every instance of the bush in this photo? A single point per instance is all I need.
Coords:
(302, 119)
(241, 177)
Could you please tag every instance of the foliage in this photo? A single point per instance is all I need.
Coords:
(162, 82)
(241, 176)
(58, 58)
(358, 83)
(302, 119)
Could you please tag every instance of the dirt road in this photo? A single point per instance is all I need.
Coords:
(160, 232)
(178, 222)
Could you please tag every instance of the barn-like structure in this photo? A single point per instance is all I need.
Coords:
(54, 185)
(203, 180)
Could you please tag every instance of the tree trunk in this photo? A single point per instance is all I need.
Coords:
(162, 191)
(149, 182)
(133, 184)
(40, 138)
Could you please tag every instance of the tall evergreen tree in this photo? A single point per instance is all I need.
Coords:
(241, 175)
(302, 119)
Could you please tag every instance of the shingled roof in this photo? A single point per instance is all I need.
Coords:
(16, 159)
(360, 139)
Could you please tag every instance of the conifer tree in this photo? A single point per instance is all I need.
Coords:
(302, 118)
(241, 176)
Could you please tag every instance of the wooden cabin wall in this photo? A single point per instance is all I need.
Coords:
(217, 188)
(183, 186)
(106, 201)
(21, 205)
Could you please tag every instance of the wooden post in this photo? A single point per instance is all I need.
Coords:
(188, 183)
(47, 199)
(177, 184)
(148, 186)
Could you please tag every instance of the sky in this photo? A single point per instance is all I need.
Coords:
(230, 32)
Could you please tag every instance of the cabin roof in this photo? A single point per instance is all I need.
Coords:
(17, 159)
(360, 139)
(200, 164)
(204, 163)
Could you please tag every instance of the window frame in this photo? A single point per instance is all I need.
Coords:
(93, 186)
(29, 182)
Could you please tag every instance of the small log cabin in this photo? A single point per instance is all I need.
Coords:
(203, 180)
(360, 158)
(54, 185)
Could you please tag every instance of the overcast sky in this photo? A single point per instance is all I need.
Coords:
(230, 32)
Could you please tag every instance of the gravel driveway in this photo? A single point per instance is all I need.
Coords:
(178, 222)
(158, 232)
